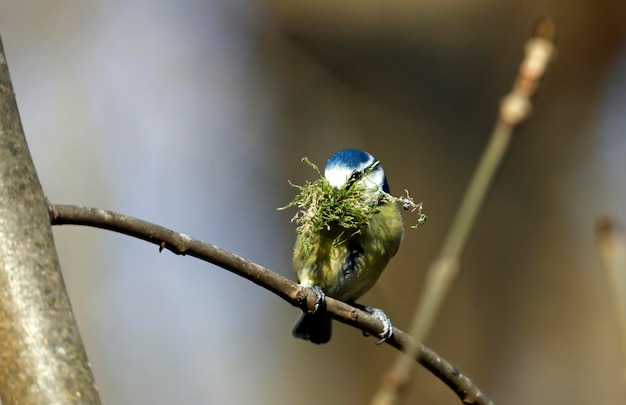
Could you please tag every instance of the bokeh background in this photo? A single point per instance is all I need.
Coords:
(195, 114)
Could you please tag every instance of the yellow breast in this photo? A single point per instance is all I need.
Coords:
(346, 264)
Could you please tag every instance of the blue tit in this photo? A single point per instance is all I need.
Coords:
(345, 268)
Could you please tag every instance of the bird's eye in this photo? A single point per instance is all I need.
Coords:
(356, 175)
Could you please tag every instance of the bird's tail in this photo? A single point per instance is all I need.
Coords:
(315, 327)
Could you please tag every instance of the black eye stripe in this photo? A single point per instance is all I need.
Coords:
(356, 175)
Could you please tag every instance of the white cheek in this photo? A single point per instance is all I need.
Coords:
(337, 177)
(375, 180)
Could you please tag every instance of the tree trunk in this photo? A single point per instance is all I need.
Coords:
(42, 358)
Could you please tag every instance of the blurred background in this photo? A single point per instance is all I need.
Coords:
(195, 114)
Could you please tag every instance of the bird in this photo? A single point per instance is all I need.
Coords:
(345, 264)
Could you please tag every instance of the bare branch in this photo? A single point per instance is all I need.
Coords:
(611, 245)
(288, 290)
(42, 358)
(442, 273)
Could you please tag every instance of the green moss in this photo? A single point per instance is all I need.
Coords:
(351, 207)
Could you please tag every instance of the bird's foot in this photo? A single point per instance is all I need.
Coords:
(381, 316)
(321, 298)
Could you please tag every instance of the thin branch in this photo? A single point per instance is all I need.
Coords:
(42, 358)
(611, 245)
(288, 290)
(515, 108)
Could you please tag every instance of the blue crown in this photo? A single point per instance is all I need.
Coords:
(343, 164)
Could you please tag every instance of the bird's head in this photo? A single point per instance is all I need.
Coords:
(353, 165)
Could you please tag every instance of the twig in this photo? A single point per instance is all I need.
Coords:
(611, 245)
(515, 108)
(288, 290)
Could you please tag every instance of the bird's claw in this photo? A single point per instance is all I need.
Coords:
(387, 326)
(321, 298)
